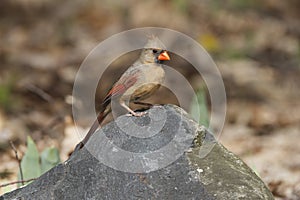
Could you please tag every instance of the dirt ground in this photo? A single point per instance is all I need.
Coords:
(255, 45)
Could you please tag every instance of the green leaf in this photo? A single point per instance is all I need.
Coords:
(30, 162)
(181, 5)
(7, 84)
(5, 95)
(199, 110)
(49, 158)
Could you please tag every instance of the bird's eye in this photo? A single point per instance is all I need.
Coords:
(154, 51)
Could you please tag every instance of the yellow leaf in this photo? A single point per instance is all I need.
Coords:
(209, 42)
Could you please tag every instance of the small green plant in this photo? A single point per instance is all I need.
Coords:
(181, 5)
(198, 109)
(8, 100)
(255, 170)
(34, 164)
(5, 95)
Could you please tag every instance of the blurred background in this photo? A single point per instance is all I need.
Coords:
(254, 43)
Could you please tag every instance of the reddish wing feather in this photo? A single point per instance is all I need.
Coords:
(119, 89)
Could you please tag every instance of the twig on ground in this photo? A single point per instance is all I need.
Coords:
(16, 182)
(41, 93)
(19, 160)
(54, 122)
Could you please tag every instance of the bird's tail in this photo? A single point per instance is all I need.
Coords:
(101, 116)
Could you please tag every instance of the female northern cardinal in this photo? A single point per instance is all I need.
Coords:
(138, 82)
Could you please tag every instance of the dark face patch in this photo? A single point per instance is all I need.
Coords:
(156, 53)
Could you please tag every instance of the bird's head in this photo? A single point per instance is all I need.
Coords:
(154, 51)
(154, 55)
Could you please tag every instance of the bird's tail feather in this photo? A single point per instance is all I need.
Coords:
(101, 116)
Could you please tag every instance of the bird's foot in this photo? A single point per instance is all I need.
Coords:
(136, 114)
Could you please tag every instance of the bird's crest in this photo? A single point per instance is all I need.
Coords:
(154, 42)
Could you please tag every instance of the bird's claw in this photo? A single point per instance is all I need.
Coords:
(136, 114)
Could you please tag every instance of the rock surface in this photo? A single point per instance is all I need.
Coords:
(162, 155)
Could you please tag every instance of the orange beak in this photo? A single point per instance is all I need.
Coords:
(164, 56)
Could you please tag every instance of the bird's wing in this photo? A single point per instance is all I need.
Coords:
(125, 82)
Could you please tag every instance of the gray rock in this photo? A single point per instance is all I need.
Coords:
(162, 155)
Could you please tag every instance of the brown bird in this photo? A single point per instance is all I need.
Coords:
(138, 82)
